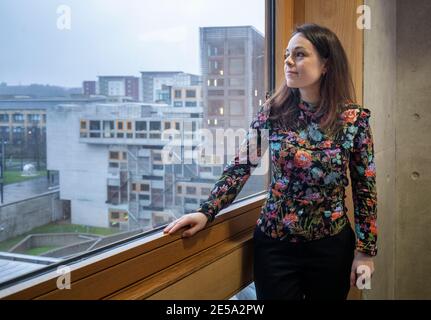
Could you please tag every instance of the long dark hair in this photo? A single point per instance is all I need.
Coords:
(336, 86)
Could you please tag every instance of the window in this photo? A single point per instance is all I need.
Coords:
(105, 138)
(141, 125)
(94, 125)
(191, 190)
(191, 103)
(157, 157)
(236, 47)
(236, 93)
(215, 82)
(144, 197)
(18, 117)
(190, 93)
(157, 167)
(213, 93)
(236, 66)
(115, 155)
(33, 117)
(113, 164)
(236, 82)
(215, 49)
(4, 117)
(155, 125)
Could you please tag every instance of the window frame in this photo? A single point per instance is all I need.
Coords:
(105, 262)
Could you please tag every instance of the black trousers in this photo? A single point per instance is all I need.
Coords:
(315, 270)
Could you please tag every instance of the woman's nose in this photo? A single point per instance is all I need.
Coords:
(289, 61)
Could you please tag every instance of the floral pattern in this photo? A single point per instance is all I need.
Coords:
(305, 199)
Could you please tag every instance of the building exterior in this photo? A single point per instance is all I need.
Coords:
(157, 85)
(122, 179)
(186, 96)
(23, 124)
(122, 86)
(232, 64)
(89, 88)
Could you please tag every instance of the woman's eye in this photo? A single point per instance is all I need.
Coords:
(300, 54)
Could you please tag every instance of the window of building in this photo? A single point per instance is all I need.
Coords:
(113, 164)
(236, 107)
(155, 125)
(141, 125)
(126, 129)
(145, 187)
(157, 167)
(236, 93)
(115, 155)
(191, 104)
(191, 190)
(190, 93)
(94, 125)
(18, 117)
(144, 197)
(4, 117)
(236, 82)
(214, 93)
(236, 66)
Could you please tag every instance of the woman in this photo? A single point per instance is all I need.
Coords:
(304, 246)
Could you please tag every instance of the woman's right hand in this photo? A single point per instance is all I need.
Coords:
(195, 221)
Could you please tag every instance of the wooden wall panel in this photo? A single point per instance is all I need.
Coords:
(340, 16)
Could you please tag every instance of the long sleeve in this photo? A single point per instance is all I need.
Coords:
(363, 177)
(238, 170)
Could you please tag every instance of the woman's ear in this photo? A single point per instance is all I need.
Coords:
(325, 67)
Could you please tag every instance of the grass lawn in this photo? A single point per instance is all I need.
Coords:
(39, 250)
(56, 228)
(15, 176)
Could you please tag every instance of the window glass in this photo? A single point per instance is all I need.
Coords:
(92, 92)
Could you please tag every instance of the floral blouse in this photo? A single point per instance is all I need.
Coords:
(305, 199)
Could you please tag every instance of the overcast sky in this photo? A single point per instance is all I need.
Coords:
(109, 37)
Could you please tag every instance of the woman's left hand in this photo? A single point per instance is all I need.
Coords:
(361, 259)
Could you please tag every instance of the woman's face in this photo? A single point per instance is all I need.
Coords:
(303, 67)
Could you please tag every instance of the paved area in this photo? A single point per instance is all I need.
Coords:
(24, 189)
